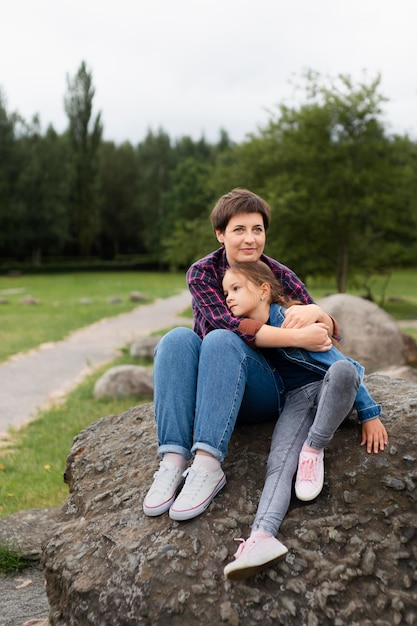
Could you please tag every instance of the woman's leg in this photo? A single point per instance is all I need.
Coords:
(234, 382)
(175, 384)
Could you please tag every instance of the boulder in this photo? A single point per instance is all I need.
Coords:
(352, 552)
(143, 348)
(369, 334)
(137, 296)
(400, 371)
(125, 380)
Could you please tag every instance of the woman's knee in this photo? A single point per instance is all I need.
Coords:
(176, 341)
(222, 340)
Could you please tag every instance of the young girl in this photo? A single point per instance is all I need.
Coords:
(321, 388)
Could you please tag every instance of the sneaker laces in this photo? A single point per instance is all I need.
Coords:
(244, 543)
(194, 479)
(164, 478)
(307, 469)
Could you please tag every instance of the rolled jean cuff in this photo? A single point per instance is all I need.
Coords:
(174, 448)
(205, 447)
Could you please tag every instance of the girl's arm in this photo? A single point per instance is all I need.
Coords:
(313, 337)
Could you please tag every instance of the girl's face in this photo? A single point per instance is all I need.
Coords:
(244, 298)
(243, 238)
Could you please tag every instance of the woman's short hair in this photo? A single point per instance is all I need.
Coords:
(238, 201)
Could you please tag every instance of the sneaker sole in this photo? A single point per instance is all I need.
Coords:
(246, 572)
(182, 516)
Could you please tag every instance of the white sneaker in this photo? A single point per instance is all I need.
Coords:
(253, 556)
(163, 490)
(199, 489)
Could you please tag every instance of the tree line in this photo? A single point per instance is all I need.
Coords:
(342, 189)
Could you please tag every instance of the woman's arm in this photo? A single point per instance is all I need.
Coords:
(300, 316)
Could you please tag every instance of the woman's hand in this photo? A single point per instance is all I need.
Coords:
(374, 435)
(297, 316)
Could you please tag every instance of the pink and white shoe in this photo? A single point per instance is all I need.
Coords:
(254, 555)
(310, 475)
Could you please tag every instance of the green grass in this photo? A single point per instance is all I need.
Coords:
(11, 558)
(61, 308)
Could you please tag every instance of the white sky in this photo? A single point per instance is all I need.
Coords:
(192, 67)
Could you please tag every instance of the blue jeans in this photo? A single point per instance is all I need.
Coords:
(203, 387)
(311, 414)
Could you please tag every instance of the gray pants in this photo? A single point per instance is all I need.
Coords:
(311, 414)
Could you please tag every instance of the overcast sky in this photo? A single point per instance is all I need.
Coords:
(193, 67)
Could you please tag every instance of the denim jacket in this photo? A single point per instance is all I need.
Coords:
(320, 362)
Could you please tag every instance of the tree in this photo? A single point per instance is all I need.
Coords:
(155, 161)
(121, 225)
(10, 167)
(43, 192)
(85, 135)
(326, 169)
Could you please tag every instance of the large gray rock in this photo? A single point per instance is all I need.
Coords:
(370, 335)
(125, 380)
(352, 553)
(144, 347)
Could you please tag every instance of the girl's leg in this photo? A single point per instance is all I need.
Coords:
(262, 549)
(288, 437)
(335, 403)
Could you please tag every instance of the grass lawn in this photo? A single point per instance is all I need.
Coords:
(71, 301)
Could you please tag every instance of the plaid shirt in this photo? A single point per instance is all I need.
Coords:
(204, 280)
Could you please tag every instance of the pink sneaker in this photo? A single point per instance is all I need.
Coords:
(253, 556)
(310, 475)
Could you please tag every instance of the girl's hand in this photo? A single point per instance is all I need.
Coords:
(374, 435)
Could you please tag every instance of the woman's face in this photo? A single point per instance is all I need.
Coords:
(243, 238)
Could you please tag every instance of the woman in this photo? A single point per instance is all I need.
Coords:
(208, 378)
